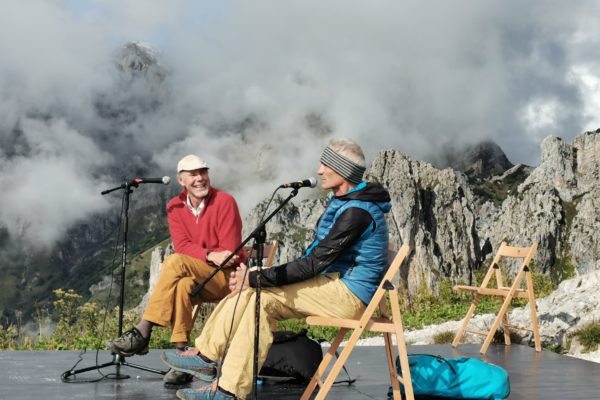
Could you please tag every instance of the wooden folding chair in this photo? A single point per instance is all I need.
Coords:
(269, 253)
(387, 324)
(507, 293)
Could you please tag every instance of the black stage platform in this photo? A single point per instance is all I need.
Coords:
(26, 375)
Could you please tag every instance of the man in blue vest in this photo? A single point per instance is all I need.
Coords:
(336, 277)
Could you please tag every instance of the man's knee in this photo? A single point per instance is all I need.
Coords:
(174, 261)
(270, 303)
(185, 285)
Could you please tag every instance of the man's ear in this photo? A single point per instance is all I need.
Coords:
(180, 179)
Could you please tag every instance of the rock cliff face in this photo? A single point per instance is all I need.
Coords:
(556, 206)
(158, 256)
(583, 238)
(432, 210)
(572, 169)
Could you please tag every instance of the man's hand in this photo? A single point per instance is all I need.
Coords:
(217, 257)
(238, 280)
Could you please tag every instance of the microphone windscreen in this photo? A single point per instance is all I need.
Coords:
(166, 180)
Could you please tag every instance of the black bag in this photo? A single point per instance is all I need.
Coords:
(292, 355)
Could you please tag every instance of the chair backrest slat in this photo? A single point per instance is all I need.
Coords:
(515, 252)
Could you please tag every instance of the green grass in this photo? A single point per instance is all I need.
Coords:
(555, 348)
(497, 191)
(562, 269)
(589, 336)
(444, 337)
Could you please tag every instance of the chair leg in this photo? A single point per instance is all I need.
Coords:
(501, 313)
(401, 343)
(316, 379)
(337, 366)
(505, 327)
(391, 367)
(463, 326)
(533, 310)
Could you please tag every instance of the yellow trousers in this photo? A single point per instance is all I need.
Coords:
(323, 295)
(170, 302)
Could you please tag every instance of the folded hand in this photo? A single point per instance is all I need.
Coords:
(238, 280)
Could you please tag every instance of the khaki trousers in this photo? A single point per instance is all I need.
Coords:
(323, 295)
(170, 302)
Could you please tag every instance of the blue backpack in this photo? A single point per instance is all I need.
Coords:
(459, 378)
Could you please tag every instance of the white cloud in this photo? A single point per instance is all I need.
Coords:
(541, 115)
(51, 188)
(588, 81)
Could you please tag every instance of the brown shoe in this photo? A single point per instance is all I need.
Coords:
(175, 378)
(129, 343)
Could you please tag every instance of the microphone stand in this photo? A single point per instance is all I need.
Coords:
(259, 244)
(118, 360)
(259, 235)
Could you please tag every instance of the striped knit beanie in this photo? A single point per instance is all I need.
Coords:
(343, 166)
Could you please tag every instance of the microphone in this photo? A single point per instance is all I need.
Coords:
(164, 180)
(310, 182)
(135, 182)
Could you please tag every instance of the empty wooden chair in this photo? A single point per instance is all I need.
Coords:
(387, 324)
(506, 293)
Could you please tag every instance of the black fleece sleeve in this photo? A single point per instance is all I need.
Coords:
(349, 226)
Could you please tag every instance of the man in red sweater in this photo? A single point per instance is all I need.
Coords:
(206, 228)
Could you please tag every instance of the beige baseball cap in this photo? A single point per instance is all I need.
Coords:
(191, 162)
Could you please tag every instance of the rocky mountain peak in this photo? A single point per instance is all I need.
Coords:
(139, 59)
(572, 169)
(477, 161)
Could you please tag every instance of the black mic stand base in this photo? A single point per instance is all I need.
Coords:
(117, 361)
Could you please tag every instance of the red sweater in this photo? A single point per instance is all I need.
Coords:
(218, 228)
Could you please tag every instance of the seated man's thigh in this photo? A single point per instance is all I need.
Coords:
(324, 295)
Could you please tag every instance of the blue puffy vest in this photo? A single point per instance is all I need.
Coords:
(363, 265)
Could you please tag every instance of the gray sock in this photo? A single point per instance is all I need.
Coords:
(145, 328)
